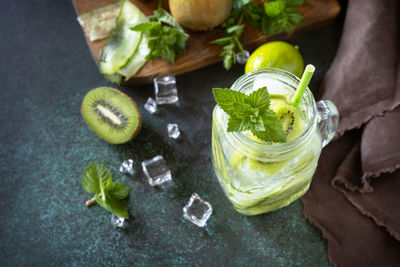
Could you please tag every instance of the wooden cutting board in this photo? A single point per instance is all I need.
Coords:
(200, 52)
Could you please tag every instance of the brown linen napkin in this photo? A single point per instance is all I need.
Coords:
(353, 239)
(361, 80)
(355, 194)
(368, 176)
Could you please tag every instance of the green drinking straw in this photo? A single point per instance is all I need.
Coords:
(305, 80)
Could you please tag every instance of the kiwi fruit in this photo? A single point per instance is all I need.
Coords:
(111, 114)
(269, 168)
(291, 120)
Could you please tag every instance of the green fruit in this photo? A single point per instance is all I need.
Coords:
(291, 121)
(278, 54)
(269, 168)
(111, 114)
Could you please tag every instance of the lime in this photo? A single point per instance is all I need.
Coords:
(278, 54)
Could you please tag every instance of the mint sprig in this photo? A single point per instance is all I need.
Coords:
(97, 179)
(275, 16)
(251, 113)
(230, 43)
(167, 37)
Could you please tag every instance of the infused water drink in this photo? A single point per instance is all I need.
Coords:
(259, 176)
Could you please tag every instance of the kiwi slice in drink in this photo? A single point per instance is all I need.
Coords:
(269, 168)
(266, 167)
(111, 114)
(291, 120)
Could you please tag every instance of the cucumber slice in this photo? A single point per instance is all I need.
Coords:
(137, 61)
(115, 78)
(98, 23)
(123, 42)
(271, 205)
(218, 155)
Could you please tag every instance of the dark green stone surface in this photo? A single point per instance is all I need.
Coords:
(44, 146)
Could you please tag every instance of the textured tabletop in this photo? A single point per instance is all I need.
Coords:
(45, 145)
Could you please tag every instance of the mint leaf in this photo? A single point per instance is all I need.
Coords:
(102, 190)
(113, 205)
(245, 111)
(237, 125)
(273, 128)
(259, 125)
(294, 17)
(167, 37)
(230, 43)
(119, 190)
(274, 8)
(226, 97)
(161, 15)
(97, 179)
(142, 27)
(251, 112)
(260, 98)
(116, 189)
(92, 175)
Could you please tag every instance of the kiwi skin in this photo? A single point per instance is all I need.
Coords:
(138, 128)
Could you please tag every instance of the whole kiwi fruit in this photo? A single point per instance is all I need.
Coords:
(200, 15)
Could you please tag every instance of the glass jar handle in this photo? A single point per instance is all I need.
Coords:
(328, 120)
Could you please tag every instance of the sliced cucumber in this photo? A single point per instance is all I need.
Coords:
(137, 61)
(115, 78)
(98, 23)
(123, 42)
(218, 155)
(271, 204)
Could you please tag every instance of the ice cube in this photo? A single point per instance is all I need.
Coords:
(117, 222)
(151, 105)
(242, 58)
(274, 86)
(197, 210)
(165, 90)
(173, 130)
(156, 170)
(127, 167)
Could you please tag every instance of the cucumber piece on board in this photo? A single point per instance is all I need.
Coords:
(137, 61)
(115, 78)
(123, 42)
(99, 22)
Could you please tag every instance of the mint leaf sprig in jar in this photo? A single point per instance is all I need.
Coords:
(251, 113)
(266, 139)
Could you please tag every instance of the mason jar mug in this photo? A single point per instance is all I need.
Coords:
(258, 176)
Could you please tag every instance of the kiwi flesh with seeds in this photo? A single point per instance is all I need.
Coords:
(111, 114)
(291, 120)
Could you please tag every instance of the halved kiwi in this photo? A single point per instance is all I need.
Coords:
(111, 114)
(291, 120)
